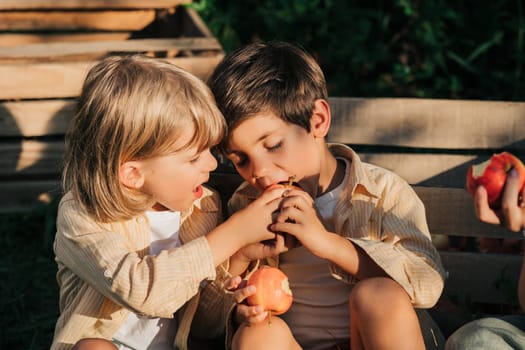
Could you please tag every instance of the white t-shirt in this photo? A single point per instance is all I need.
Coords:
(319, 317)
(140, 332)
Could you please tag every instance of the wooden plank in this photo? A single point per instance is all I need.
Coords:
(87, 4)
(64, 79)
(427, 123)
(133, 45)
(31, 157)
(20, 196)
(35, 118)
(450, 211)
(129, 20)
(429, 169)
(18, 39)
(482, 278)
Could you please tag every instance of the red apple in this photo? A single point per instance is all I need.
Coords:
(492, 175)
(273, 292)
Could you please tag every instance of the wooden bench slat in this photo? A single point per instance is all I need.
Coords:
(18, 39)
(87, 4)
(31, 157)
(450, 211)
(76, 21)
(132, 45)
(32, 81)
(428, 123)
(36, 118)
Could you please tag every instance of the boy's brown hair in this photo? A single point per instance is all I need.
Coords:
(275, 77)
(132, 108)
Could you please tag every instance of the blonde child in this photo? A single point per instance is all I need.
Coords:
(365, 259)
(138, 235)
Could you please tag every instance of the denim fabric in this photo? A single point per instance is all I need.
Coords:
(492, 333)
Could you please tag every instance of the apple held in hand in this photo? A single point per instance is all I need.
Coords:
(290, 241)
(492, 175)
(273, 292)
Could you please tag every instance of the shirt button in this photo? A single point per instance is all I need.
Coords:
(107, 273)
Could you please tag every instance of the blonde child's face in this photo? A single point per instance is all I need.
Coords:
(265, 150)
(175, 180)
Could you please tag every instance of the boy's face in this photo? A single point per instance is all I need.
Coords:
(175, 180)
(265, 150)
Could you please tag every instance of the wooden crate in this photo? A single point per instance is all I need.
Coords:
(47, 47)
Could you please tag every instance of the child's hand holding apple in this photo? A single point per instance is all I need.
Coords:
(265, 293)
(499, 191)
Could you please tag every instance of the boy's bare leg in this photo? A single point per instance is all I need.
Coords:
(94, 344)
(382, 317)
(263, 336)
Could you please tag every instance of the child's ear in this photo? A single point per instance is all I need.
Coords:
(130, 174)
(321, 118)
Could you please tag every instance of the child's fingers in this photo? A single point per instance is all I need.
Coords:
(250, 314)
(233, 283)
(511, 211)
(299, 193)
(482, 209)
(242, 293)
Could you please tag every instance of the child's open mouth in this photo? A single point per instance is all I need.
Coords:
(197, 192)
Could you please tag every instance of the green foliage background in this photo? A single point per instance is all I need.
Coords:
(391, 48)
(455, 49)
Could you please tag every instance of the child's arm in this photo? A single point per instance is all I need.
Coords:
(117, 265)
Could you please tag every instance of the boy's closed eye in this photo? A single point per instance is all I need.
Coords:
(275, 146)
(238, 159)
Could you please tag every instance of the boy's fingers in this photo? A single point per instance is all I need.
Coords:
(482, 209)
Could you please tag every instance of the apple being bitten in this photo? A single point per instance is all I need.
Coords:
(272, 292)
(492, 175)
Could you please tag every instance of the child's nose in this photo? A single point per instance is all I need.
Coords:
(212, 161)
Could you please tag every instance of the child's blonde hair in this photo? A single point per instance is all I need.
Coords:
(132, 108)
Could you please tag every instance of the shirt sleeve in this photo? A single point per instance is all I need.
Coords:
(155, 286)
(398, 240)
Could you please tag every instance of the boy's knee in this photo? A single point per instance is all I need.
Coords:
(94, 344)
(378, 292)
(264, 334)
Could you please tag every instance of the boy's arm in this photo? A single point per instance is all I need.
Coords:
(399, 242)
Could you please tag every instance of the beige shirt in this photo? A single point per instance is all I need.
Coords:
(104, 272)
(381, 213)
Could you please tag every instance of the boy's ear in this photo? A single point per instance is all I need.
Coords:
(130, 174)
(321, 118)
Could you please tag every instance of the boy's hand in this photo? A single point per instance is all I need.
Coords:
(298, 217)
(512, 212)
(244, 312)
(254, 220)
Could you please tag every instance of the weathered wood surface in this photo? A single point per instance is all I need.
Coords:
(64, 79)
(87, 4)
(76, 21)
(429, 123)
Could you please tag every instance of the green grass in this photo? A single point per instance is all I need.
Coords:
(28, 288)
